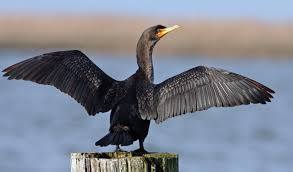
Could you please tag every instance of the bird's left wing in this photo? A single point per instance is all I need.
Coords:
(73, 73)
(201, 88)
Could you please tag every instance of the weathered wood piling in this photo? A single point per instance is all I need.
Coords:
(124, 162)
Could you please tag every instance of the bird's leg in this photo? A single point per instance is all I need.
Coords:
(118, 149)
(141, 149)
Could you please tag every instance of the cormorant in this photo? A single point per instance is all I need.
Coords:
(137, 100)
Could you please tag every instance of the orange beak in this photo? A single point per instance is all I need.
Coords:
(163, 32)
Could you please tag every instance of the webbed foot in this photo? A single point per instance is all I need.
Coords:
(140, 152)
(141, 149)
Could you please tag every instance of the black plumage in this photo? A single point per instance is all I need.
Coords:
(137, 100)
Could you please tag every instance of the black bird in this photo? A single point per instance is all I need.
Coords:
(137, 100)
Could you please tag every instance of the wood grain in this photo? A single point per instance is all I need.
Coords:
(124, 162)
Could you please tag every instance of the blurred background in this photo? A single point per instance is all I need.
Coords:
(40, 126)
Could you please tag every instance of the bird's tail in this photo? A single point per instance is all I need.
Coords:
(119, 135)
(115, 138)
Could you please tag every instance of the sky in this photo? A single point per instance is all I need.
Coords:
(270, 10)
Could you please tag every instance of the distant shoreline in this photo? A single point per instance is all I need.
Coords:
(237, 38)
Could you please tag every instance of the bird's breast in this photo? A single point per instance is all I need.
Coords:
(145, 99)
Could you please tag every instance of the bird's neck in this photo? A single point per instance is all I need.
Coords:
(145, 60)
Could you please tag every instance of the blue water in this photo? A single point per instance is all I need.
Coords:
(40, 126)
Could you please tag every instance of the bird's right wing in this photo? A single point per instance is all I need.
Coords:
(201, 88)
(73, 73)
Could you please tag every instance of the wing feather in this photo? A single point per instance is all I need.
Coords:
(201, 88)
(73, 73)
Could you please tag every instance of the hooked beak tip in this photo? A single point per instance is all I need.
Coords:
(166, 30)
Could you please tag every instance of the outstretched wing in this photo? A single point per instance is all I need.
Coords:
(201, 88)
(73, 73)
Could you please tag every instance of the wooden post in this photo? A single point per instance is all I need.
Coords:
(123, 162)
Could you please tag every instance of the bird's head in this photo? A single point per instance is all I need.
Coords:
(146, 43)
(155, 33)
